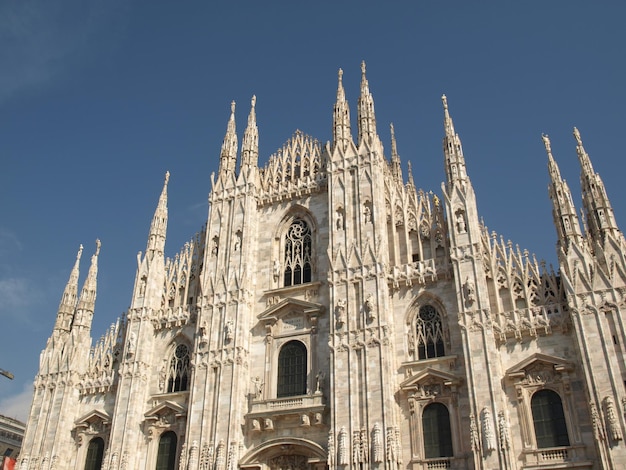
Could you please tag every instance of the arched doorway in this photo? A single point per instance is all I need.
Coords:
(285, 454)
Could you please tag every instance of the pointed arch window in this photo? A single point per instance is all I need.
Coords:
(95, 452)
(429, 333)
(297, 261)
(166, 455)
(179, 369)
(436, 431)
(292, 370)
(549, 419)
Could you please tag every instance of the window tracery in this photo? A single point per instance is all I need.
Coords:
(179, 370)
(429, 335)
(297, 254)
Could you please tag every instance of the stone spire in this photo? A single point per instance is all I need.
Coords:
(367, 117)
(396, 168)
(563, 209)
(250, 143)
(158, 228)
(341, 117)
(228, 157)
(455, 162)
(598, 210)
(410, 170)
(87, 299)
(69, 298)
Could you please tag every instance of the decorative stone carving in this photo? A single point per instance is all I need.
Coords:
(342, 451)
(377, 444)
(611, 420)
(391, 445)
(220, 458)
(194, 455)
(503, 431)
(356, 448)
(330, 458)
(489, 441)
(598, 429)
(268, 424)
(365, 450)
(474, 437)
(288, 462)
(182, 461)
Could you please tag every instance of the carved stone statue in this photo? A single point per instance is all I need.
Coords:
(258, 387)
(340, 312)
(228, 331)
(369, 308)
(469, 289)
(460, 222)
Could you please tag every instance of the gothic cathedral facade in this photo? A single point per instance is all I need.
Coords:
(330, 315)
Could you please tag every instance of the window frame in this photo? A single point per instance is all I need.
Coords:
(178, 377)
(98, 459)
(297, 381)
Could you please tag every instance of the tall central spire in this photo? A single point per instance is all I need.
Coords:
(158, 228)
(250, 143)
(367, 118)
(341, 117)
(228, 157)
(452, 149)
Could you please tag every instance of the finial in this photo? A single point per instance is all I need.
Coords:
(232, 107)
(393, 134)
(579, 141)
(546, 143)
(444, 100)
(98, 244)
(363, 67)
(167, 177)
(253, 101)
(80, 252)
(340, 74)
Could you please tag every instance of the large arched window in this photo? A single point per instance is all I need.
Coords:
(292, 369)
(549, 419)
(436, 431)
(95, 451)
(429, 333)
(178, 372)
(297, 260)
(166, 456)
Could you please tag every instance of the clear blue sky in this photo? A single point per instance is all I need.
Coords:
(99, 99)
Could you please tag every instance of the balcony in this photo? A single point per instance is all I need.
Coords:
(300, 410)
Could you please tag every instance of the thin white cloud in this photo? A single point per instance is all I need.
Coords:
(16, 297)
(42, 41)
(18, 406)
